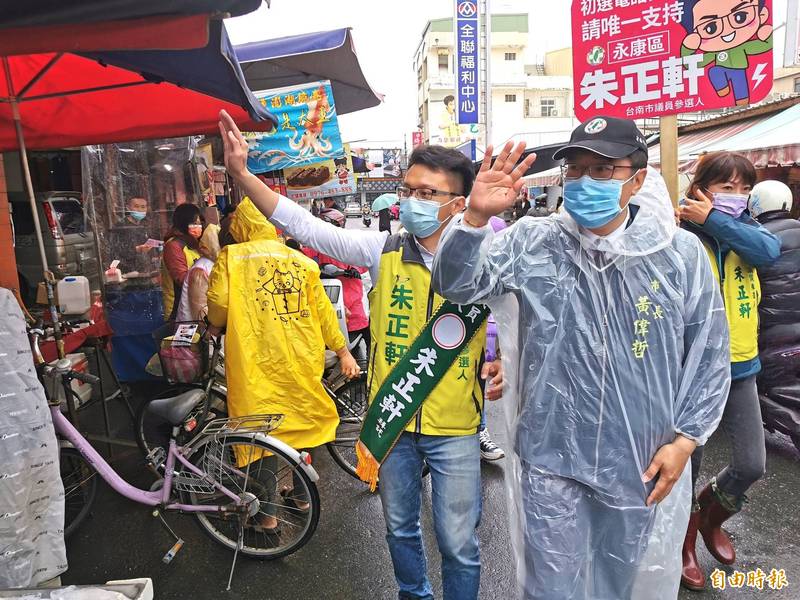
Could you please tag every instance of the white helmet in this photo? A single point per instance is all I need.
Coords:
(768, 196)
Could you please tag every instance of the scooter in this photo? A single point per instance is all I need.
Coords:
(329, 274)
(366, 217)
(779, 380)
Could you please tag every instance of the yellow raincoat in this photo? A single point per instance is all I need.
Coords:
(279, 321)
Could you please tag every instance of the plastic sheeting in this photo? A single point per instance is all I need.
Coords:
(31, 495)
(163, 173)
(611, 346)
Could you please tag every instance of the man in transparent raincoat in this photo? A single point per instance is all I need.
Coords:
(616, 353)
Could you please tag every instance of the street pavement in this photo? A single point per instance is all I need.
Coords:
(348, 559)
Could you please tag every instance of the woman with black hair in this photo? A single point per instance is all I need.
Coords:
(715, 209)
(181, 250)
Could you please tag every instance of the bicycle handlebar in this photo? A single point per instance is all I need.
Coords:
(84, 377)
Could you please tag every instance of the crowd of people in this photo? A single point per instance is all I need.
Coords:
(633, 336)
(628, 329)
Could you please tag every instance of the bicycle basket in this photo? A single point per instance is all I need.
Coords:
(183, 351)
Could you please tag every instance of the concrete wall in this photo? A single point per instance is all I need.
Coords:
(558, 62)
(784, 81)
(8, 264)
(13, 170)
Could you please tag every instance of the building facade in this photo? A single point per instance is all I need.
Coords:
(530, 102)
(786, 81)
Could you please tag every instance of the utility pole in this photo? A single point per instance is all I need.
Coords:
(485, 71)
(791, 55)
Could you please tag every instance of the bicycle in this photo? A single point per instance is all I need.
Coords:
(210, 393)
(209, 390)
(230, 476)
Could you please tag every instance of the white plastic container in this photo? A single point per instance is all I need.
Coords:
(83, 391)
(74, 295)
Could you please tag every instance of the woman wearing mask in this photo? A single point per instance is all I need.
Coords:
(193, 304)
(715, 211)
(180, 253)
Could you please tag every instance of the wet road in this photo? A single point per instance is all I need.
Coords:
(347, 558)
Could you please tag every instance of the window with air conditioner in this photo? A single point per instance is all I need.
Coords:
(548, 107)
(443, 62)
(511, 56)
(511, 97)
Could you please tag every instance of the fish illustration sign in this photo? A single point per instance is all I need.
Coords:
(307, 131)
(645, 58)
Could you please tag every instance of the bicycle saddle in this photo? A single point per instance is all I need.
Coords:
(174, 410)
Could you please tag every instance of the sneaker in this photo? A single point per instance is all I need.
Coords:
(489, 450)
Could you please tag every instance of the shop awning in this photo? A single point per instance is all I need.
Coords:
(43, 26)
(692, 144)
(70, 99)
(299, 59)
(545, 171)
(774, 141)
(40, 13)
(545, 178)
(768, 140)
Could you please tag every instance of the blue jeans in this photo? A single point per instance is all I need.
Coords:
(454, 462)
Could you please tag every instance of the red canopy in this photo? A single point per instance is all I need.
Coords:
(139, 110)
(154, 33)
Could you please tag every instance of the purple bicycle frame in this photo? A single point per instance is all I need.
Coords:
(112, 478)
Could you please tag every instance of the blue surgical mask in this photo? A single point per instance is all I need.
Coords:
(593, 203)
(137, 215)
(421, 217)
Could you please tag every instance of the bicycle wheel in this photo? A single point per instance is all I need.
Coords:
(80, 487)
(351, 403)
(272, 484)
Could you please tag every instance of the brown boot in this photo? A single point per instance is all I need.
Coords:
(692, 576)
(712, 515)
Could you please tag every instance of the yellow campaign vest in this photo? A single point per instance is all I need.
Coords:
(167, 285)
(400, 305)
(741, 292)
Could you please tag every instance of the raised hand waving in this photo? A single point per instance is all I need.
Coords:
(497, 185)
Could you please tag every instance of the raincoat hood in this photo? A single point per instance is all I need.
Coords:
(209, 242)
(651, 231)
(248, 224)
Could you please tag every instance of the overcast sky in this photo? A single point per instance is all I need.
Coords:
(387, 35)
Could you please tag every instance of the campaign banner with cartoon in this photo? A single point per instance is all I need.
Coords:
(332, 177)
(307, 131)
(645, 58)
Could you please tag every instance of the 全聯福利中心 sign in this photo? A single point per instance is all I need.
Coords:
(466, 30)
(645, 58)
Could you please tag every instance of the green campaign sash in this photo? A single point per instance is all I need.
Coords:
(411, 381)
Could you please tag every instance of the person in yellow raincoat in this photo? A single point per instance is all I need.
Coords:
(279, 321)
